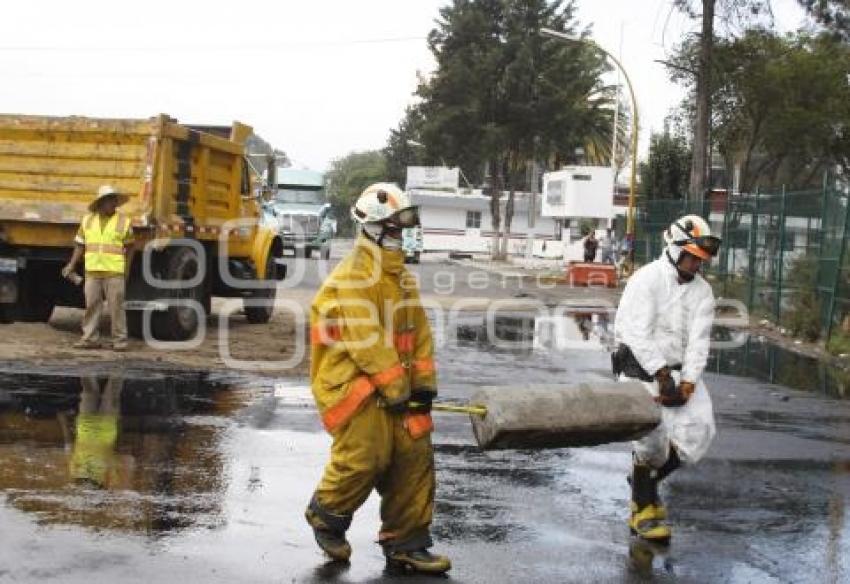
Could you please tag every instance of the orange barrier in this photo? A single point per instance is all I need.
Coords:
(591, 275)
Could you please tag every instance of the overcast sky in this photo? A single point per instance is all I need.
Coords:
(318, 79)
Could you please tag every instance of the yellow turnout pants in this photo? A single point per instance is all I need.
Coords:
(375, 450)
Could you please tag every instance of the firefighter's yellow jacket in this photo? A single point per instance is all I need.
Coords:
(369, 332)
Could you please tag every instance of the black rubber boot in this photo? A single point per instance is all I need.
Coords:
(673, 462)
(647, 514)
(330, 541)
(419, 561)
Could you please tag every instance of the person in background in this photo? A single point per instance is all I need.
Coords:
(606, 247)
(102, 243)
(590, 246)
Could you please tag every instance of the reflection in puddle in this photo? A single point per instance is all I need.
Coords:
(525, 332)
(759, 359)
(122, 451)
(593, 329)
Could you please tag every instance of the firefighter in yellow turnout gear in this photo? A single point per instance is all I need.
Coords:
(373, 379)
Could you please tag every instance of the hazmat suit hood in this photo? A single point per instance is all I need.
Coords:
(672, 253)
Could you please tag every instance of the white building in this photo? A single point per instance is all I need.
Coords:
(546, 225)
(461, 221)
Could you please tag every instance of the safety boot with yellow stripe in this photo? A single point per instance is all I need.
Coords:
(647, 514)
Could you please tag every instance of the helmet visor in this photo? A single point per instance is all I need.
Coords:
(408, 217)
(709, 243)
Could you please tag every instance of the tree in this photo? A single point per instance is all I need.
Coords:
(833, 14)
(665, 175)
(503, 95)
(404, 148)
(781, 106)
(347, 178)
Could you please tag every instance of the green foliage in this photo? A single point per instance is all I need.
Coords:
(832, 14)
(839, 343)
(503, 94)
(804, 317)
(402, 150)
(780, 105)
(347, 178)
(665, 175)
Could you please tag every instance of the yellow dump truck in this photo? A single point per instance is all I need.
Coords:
(194, 207)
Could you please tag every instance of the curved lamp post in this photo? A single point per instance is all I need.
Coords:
(630, 218)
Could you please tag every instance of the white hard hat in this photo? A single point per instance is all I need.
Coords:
(385, 202)
(107, 191)
(692, 234)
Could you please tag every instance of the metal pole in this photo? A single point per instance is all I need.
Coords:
(754, 222)
(471, 410)
(630, 221)
(724, 265)
(837, 274)
(777, 308)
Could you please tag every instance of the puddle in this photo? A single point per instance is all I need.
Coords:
(765, 361)
(130, 451)
(520, 332)
(573, 336)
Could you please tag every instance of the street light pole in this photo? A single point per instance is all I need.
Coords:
(630, 220)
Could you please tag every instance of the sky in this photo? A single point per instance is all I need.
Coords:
(318, 79)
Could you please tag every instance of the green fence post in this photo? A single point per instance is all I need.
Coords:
(824, 212)
(754, 221)
(724, 259)
(837, 278)
(777, 307)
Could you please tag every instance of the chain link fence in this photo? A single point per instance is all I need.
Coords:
(784, 255)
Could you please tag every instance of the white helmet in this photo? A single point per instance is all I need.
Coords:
(692, 234)
(385, 202)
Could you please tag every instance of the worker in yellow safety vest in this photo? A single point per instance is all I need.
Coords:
(373, 379)
(102, 241)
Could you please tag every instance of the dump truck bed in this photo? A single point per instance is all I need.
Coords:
(51, 167)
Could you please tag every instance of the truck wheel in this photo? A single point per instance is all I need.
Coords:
(416, 257)
(178, 323)
(36, 308)
(262, 314)
(134, 323)
(326, 253)
(36, 298)
(7, 312)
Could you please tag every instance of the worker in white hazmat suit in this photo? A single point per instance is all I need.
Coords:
(663, 329)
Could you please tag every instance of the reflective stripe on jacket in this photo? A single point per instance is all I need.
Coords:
(104, 245)
(369, 333)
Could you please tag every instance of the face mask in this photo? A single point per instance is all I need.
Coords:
(376, 234)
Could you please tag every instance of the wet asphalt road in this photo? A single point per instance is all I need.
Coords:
(207, 478)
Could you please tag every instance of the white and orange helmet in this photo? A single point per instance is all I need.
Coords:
(692, 234)
(385, 203)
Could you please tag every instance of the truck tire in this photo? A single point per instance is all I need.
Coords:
(36, 298)
(178, 323)
(36, 308)
(326, 253)
(134, 323)
(7, 312)
(262, 314)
